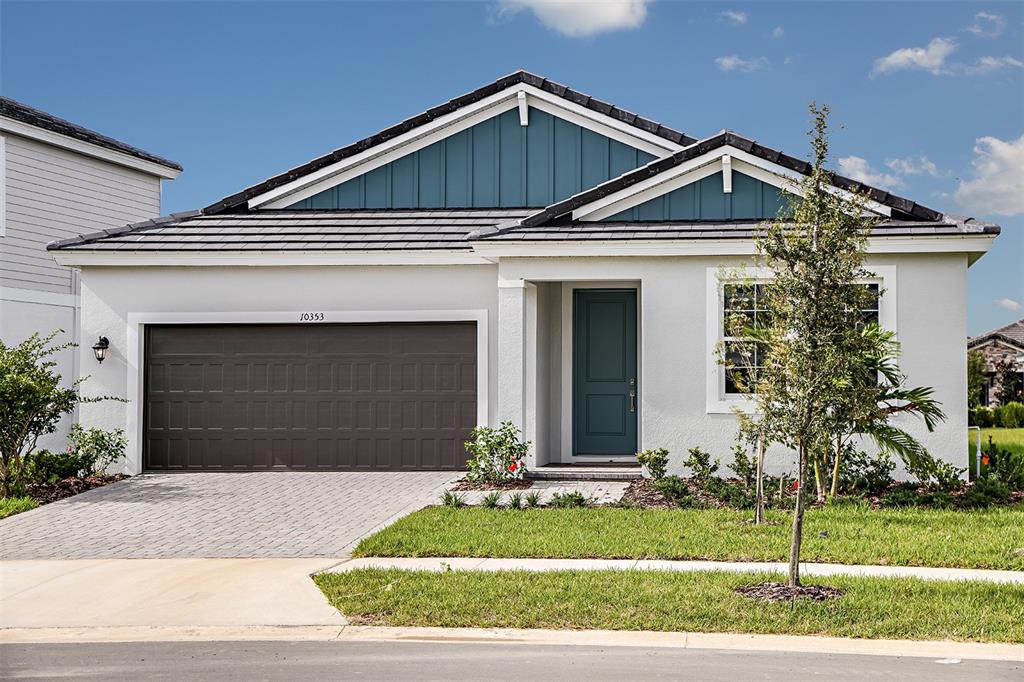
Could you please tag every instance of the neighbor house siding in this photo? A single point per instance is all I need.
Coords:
(706, 199)
(495, 163)
(52, 193)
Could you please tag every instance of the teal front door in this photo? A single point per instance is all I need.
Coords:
(604, 372)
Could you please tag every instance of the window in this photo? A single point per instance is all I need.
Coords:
(743, 306)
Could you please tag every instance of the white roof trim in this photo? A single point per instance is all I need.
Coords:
(695, 169)
(454, 122)
(82, 258)
(10, 125)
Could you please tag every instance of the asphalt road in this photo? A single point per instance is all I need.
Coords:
(456, 662)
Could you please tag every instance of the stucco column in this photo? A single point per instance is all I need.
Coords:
(517, 359)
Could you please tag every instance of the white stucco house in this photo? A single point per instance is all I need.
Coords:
(521, 252)
(55, 178)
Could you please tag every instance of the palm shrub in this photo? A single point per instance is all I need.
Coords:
(496, 455)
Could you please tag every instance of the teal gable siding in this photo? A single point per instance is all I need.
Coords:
(706, 200)
(495, 163)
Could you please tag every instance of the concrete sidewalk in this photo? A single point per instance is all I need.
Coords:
(104, 593)
(807, 569)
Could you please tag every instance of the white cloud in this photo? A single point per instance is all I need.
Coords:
(912, 165)
(986, 25)
(998, 183)
(734, 62)
(859, 169)
(735, 16)
(778, 32)
(931, 58)
(1008, 304)
(581, 18)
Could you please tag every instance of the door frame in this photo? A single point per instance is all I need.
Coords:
(135, 352)
(568, 450)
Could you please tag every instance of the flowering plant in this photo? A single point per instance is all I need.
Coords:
(496, 455)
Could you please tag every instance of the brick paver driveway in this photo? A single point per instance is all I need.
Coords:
(272, 514)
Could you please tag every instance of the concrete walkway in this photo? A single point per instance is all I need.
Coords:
(807, 569)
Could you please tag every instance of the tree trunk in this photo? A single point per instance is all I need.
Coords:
(759, 491)
(819, 484)
(798, 521)
(835, 467)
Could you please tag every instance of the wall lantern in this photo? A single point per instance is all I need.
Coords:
(100, 349)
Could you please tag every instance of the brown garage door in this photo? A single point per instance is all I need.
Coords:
(329, 396)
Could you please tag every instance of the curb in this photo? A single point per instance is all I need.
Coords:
(942, 649)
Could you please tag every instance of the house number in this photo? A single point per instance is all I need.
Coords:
(311, 317)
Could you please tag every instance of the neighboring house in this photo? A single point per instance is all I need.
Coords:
(55, 178)
(522, 252)
(999, 346)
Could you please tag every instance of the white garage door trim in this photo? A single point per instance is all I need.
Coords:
(136, 349)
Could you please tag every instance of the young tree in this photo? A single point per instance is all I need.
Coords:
(975, 378)
(1008, 379)
(810, 342)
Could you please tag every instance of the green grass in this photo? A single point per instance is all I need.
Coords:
(10, 506)
(1010, 439)
(692, 602)
(992, 538)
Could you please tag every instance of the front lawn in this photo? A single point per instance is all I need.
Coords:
(1009, 439)
(991, 538)
(667, 601)
(10, 506)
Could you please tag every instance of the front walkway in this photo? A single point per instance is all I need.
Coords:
(213, 515)
(806, 569)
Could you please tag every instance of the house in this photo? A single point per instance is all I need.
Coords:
(523, 252)
(56, 178)
(1000, 347)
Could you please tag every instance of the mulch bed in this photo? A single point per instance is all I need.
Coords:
(505, 485)
(777, 592)
(44, 493)
(641, 493)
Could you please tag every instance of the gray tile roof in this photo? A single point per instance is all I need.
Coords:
(40, 119)
(354, 230)
(1012, 334)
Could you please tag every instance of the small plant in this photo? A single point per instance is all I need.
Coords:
(655, 461)
(901, 498)
(676, 491)
(491, 500)
(935, 473)
(452, 499)
(1004, 465)
(743, 465)
(496, 455)
(701, 466)
(96, 449)
(985, 492)
(533, 499)
(43, 466)
(515, 501)
(862, 474)
(573, 499)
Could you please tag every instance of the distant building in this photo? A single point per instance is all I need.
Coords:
(57, 180)
(998, 346)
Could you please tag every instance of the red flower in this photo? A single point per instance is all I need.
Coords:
(984, 459)
(512, 467)
(796, 485)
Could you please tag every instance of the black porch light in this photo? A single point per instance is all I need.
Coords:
(99, 349)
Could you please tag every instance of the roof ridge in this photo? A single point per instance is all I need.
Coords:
(140, 226)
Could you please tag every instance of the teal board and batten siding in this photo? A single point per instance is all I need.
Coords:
(706, 199)
(496, 163)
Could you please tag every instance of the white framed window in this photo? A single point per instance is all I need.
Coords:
(727, 296)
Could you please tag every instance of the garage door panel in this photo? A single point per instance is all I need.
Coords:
(378, 396)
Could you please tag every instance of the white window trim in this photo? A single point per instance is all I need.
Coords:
(135, 351)
(716, 399)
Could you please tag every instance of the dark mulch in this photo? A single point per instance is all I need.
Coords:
(639, 493)
(44, 493)
(504, 485)
(776, 592)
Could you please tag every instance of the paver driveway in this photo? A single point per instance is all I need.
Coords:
(260, 514)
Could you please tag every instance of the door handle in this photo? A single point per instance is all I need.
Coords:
(632, 401)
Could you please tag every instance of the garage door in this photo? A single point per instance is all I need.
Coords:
(330, 397)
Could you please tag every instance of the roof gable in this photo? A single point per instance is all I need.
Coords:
(496, 163)
(516, 91)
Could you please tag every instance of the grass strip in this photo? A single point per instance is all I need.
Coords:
(992, 538)
(10, 506)
(875, 608)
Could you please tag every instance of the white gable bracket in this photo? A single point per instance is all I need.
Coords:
(727, 174)
(524, 108)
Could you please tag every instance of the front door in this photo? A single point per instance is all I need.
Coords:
(604, 372)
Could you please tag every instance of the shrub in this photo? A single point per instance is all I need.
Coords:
(1010, 415)
(496, 455)
(96, 449)
(450, 499)
(533, 499)
(731, 494)
(862, 474)
(491, 500)
(570, 499)
(743, 465)
(676, 491)
(985, 492)
(655, 461)
(701, 466)
(935, 473)
(43, 466)
(981, 416)
(901, 497)
(515, 501)
(1004, 465)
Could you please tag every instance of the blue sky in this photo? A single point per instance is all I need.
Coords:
(927, 98)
